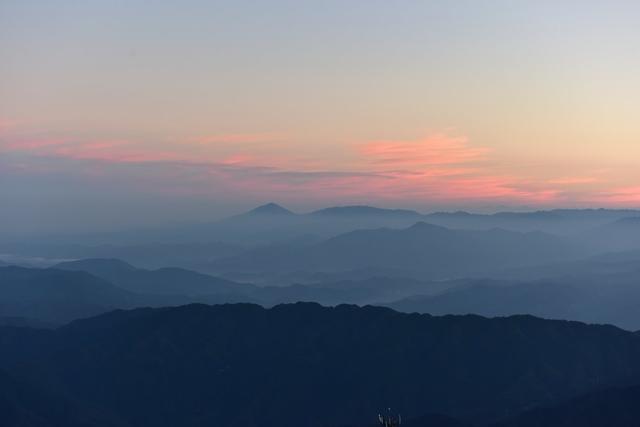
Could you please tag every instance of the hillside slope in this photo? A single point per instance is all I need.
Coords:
(243, 365)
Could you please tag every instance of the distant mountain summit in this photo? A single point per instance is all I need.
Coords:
(270, 209)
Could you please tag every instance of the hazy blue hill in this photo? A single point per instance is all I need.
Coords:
(620, 235)
(621, 224)
(50, 297)
(630, 221)
(57, 296)
(367, 291)
(530, 215)
(609, 263)
(42, 298)
(175, 281)
(560, 221)
(272, 223)
(597, 294)
(620, 257)
(193, 256)
(422, 250)
(498, 298)
(600, 214)
(304, 364)
(365, 211)
(100, 267)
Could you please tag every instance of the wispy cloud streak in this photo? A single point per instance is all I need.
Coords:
(437, 168)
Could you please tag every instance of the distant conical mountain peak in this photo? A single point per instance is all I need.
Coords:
(270, 209)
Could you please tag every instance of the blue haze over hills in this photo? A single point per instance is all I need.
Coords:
(498, 341)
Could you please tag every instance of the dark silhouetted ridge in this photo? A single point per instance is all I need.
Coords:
(243, 365)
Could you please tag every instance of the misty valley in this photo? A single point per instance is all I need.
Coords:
(327, 318)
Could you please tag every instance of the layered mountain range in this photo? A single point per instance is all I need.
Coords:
(454, 319)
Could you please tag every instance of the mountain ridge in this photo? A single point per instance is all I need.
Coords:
(467, 367)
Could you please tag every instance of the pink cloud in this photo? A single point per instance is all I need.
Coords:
(438, 149)
(237, 138)
(437, 168)
(443, 168)
(623, 196)
(575, 180)
(116, 150)
(239, 159)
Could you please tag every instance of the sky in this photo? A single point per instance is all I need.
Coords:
(121, 113)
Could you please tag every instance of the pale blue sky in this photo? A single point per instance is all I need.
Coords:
(547, 90)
